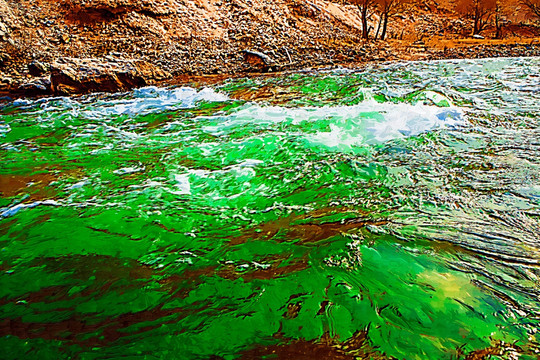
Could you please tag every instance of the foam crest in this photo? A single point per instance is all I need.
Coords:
(367, 123)
(154, 99)
(138, 102)
(12, 210)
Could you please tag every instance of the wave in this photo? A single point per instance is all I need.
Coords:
(366, 123)
(135, 103)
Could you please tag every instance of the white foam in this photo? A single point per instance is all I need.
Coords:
(79, 184)
(141, 101)
(4, 128)
(183, 185)
(369, 122)
(10, 211)
(128, 170)
(150, 99)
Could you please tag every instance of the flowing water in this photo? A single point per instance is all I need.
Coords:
(389, 212)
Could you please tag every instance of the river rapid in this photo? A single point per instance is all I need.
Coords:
(386, 212)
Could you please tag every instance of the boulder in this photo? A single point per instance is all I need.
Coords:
(35, 87)
(80, 76)
(258, 59)
(36, 68)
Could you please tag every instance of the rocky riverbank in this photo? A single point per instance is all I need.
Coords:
(78, 46)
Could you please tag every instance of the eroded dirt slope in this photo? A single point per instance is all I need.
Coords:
(195, 37)
(199, 36)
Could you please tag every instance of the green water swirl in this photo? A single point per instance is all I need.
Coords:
(390, 212)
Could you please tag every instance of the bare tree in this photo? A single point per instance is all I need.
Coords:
(479, 10)
(498, 19)
(502, 11)
(386, 10)
(533, 6)
(366, 8)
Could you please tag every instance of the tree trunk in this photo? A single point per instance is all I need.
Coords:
(498, 18)
(383, 35)
(477, 20)
(379, 27)
(498, 27)
(365, 30)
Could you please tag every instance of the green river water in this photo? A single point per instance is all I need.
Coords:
(388, 212)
